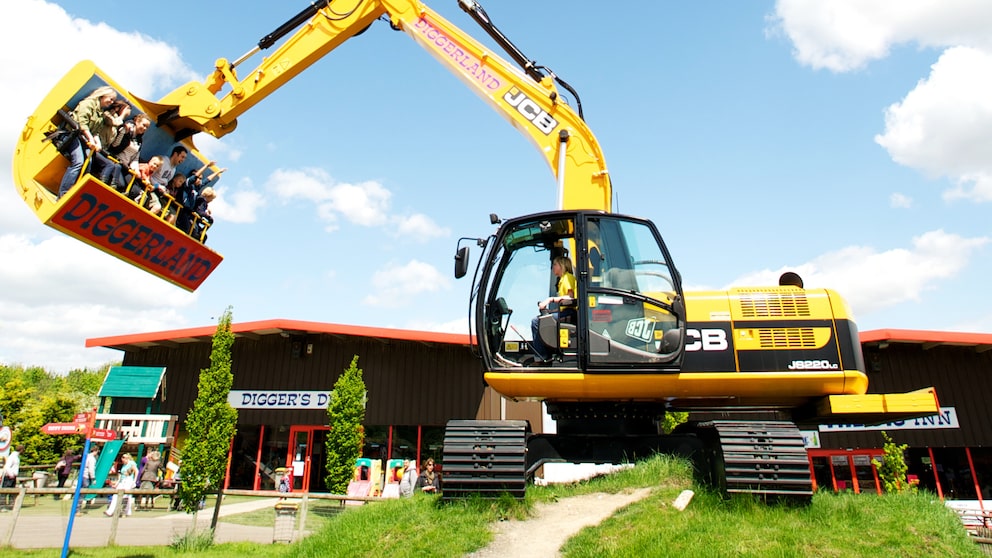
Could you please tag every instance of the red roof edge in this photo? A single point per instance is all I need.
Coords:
(285, 325)
(925, 336)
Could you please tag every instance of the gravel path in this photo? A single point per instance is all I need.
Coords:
(552, 524)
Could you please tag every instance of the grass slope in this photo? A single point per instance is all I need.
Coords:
(833, 525)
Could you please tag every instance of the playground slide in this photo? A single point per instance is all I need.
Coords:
(103, 464)
(358, 488)
(394, 472)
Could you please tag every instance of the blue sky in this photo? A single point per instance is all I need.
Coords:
(846, 140)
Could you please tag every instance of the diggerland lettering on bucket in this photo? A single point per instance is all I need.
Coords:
(118, 226)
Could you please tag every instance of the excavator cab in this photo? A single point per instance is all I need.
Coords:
(628, 313)
(97, 213)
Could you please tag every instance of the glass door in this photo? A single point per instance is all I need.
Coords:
(298, 457)
(865, 474)
(306, 458)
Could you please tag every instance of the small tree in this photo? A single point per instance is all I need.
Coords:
(673, 419)
(211, 422)
(892, 469)
(346, 414)
(43, 448)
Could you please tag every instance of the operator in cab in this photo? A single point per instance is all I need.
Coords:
(561, 267)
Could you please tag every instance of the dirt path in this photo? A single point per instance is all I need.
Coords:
(552, 524)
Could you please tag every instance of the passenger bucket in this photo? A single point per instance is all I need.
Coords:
(96, 213)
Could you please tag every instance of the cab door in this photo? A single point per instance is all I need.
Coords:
(633, 296)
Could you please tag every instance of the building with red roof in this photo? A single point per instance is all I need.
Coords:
(418, 380)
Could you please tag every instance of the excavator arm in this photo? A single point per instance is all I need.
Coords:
(528, 99)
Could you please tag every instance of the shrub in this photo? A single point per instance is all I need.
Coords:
(346, 414)
(892, 469)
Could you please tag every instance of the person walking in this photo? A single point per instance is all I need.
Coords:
(11, 468)
(88, 474)
(63, 468)
(149, 479)
(126, 479)
(409, 479)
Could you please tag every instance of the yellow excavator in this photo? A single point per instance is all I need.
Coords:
(625, 347)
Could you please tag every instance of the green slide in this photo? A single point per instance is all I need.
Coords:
(103, 464)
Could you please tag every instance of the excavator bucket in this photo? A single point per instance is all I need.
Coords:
(97, 213)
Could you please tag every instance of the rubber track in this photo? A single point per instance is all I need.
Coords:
(764, 457)
(485, 458)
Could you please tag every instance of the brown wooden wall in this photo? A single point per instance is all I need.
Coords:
(412, 383)
(962, 377)
(408, 382)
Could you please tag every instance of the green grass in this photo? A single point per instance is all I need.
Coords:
(227, 550)
(833, 525)
(840, 525)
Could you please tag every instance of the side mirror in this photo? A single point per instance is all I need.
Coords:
(461, 262)
(671, 341)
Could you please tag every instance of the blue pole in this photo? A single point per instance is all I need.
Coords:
(75, 497)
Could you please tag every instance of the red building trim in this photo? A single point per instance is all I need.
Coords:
(925, 336)
(271, 327)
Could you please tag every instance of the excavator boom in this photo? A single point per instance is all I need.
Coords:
(528, 99)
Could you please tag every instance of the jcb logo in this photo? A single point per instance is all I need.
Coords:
(706, 340)
(640, 329)
(530, 110)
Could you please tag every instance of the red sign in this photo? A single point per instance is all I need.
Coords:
(107, 220)
(63, 428)
(81, 418)
(104, 434)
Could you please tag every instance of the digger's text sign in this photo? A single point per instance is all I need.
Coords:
(269, 399)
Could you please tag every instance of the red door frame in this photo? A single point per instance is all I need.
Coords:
(871, 453)
(291, 448)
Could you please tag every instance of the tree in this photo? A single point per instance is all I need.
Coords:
(43, 448)
(673, 419)
(30, 397)
(892, 469)
(346, 414)
(210, 424)
(14, 396)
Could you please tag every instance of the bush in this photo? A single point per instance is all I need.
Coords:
(892, 469)
(346, 414)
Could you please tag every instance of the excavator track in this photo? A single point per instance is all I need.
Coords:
(765, 458)
(485, 458)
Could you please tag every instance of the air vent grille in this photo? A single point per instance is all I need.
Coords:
(787, 338)
(774, 305)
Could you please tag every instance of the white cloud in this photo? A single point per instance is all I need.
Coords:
(364, 204)
(941, 127)
(218, 149)
(845, 35)
(239, 204)
(872, 280)
(419, 227)
(57, 44)
(367, 204)
(900, 201)
(395, 285)
(58, 292)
